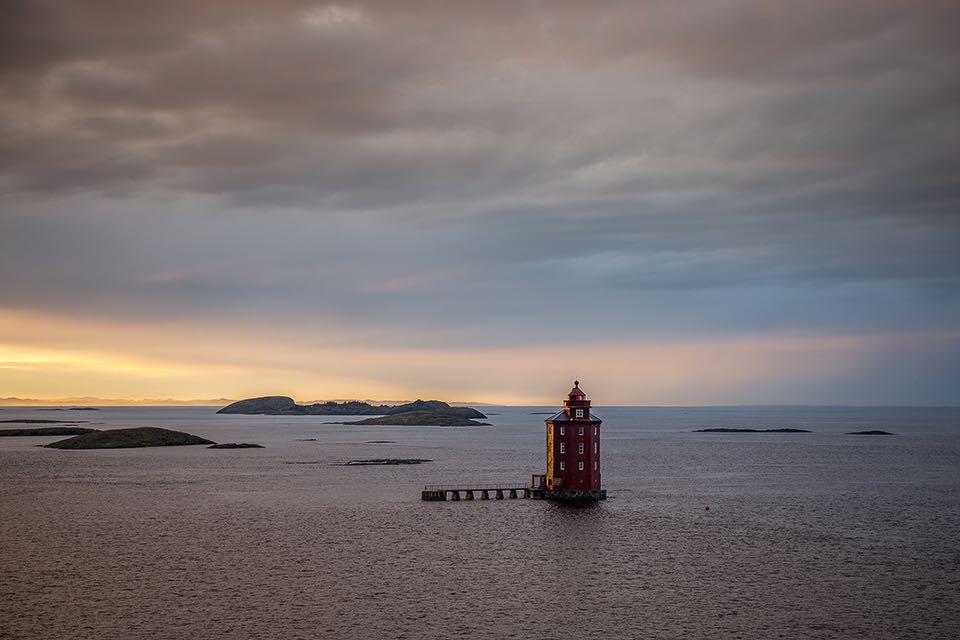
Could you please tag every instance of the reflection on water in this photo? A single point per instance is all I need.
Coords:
(818, 535)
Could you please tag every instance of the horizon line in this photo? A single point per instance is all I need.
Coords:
(90, 401)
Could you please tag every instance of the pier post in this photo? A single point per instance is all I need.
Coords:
(469, 495)
(513, 494)
(454, 495)
(499, 494)
(484, 495)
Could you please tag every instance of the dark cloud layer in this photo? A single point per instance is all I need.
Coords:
(446, 171)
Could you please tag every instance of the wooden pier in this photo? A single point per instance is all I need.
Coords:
(536, 490)
(439, 492)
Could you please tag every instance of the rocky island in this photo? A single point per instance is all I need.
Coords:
(266, 406)
(128, 438)
(420, 412)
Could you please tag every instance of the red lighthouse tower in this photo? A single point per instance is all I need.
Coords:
(573, 451)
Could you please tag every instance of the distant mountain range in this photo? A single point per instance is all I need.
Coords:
(92, 401)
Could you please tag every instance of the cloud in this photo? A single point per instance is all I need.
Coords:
(430, 102)
(476, 174)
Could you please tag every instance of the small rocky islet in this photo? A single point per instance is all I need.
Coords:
(236, 445)
(87, 438)
(871, 432)
(732, 430)
(129, 438)
(385, 462)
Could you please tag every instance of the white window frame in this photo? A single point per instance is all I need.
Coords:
(581, 430)
(581, 465)
(595, 463)
(594, 431)
(579, 413)
(563, 448)
(594, 447)
(561, 430)
(581, 448)
(561, 466)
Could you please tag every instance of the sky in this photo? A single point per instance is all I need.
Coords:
(676, 202)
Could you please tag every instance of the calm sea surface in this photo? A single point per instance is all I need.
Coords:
(795, 535)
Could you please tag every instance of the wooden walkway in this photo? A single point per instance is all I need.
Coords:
(439, 492)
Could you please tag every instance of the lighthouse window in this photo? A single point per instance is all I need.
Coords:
(561, 430)
(581, 466)
(581, 430)
(562, 449)
(580, 415)
(594, 447)
(562, 466)
(581, 448)
(594, 431)
(594, 465)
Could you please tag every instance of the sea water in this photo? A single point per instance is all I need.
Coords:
(705, 535)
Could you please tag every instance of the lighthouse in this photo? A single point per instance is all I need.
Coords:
(573, 462)
(573, 452)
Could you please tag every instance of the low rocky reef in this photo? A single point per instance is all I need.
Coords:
(729, 430)
(236, 445)
(129, 438)
(385, 462)
(285, 406)
(46, 431)
(872, 432)
(421, 419)
(36, 421)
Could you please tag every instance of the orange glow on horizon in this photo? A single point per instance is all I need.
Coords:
(44, 357)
